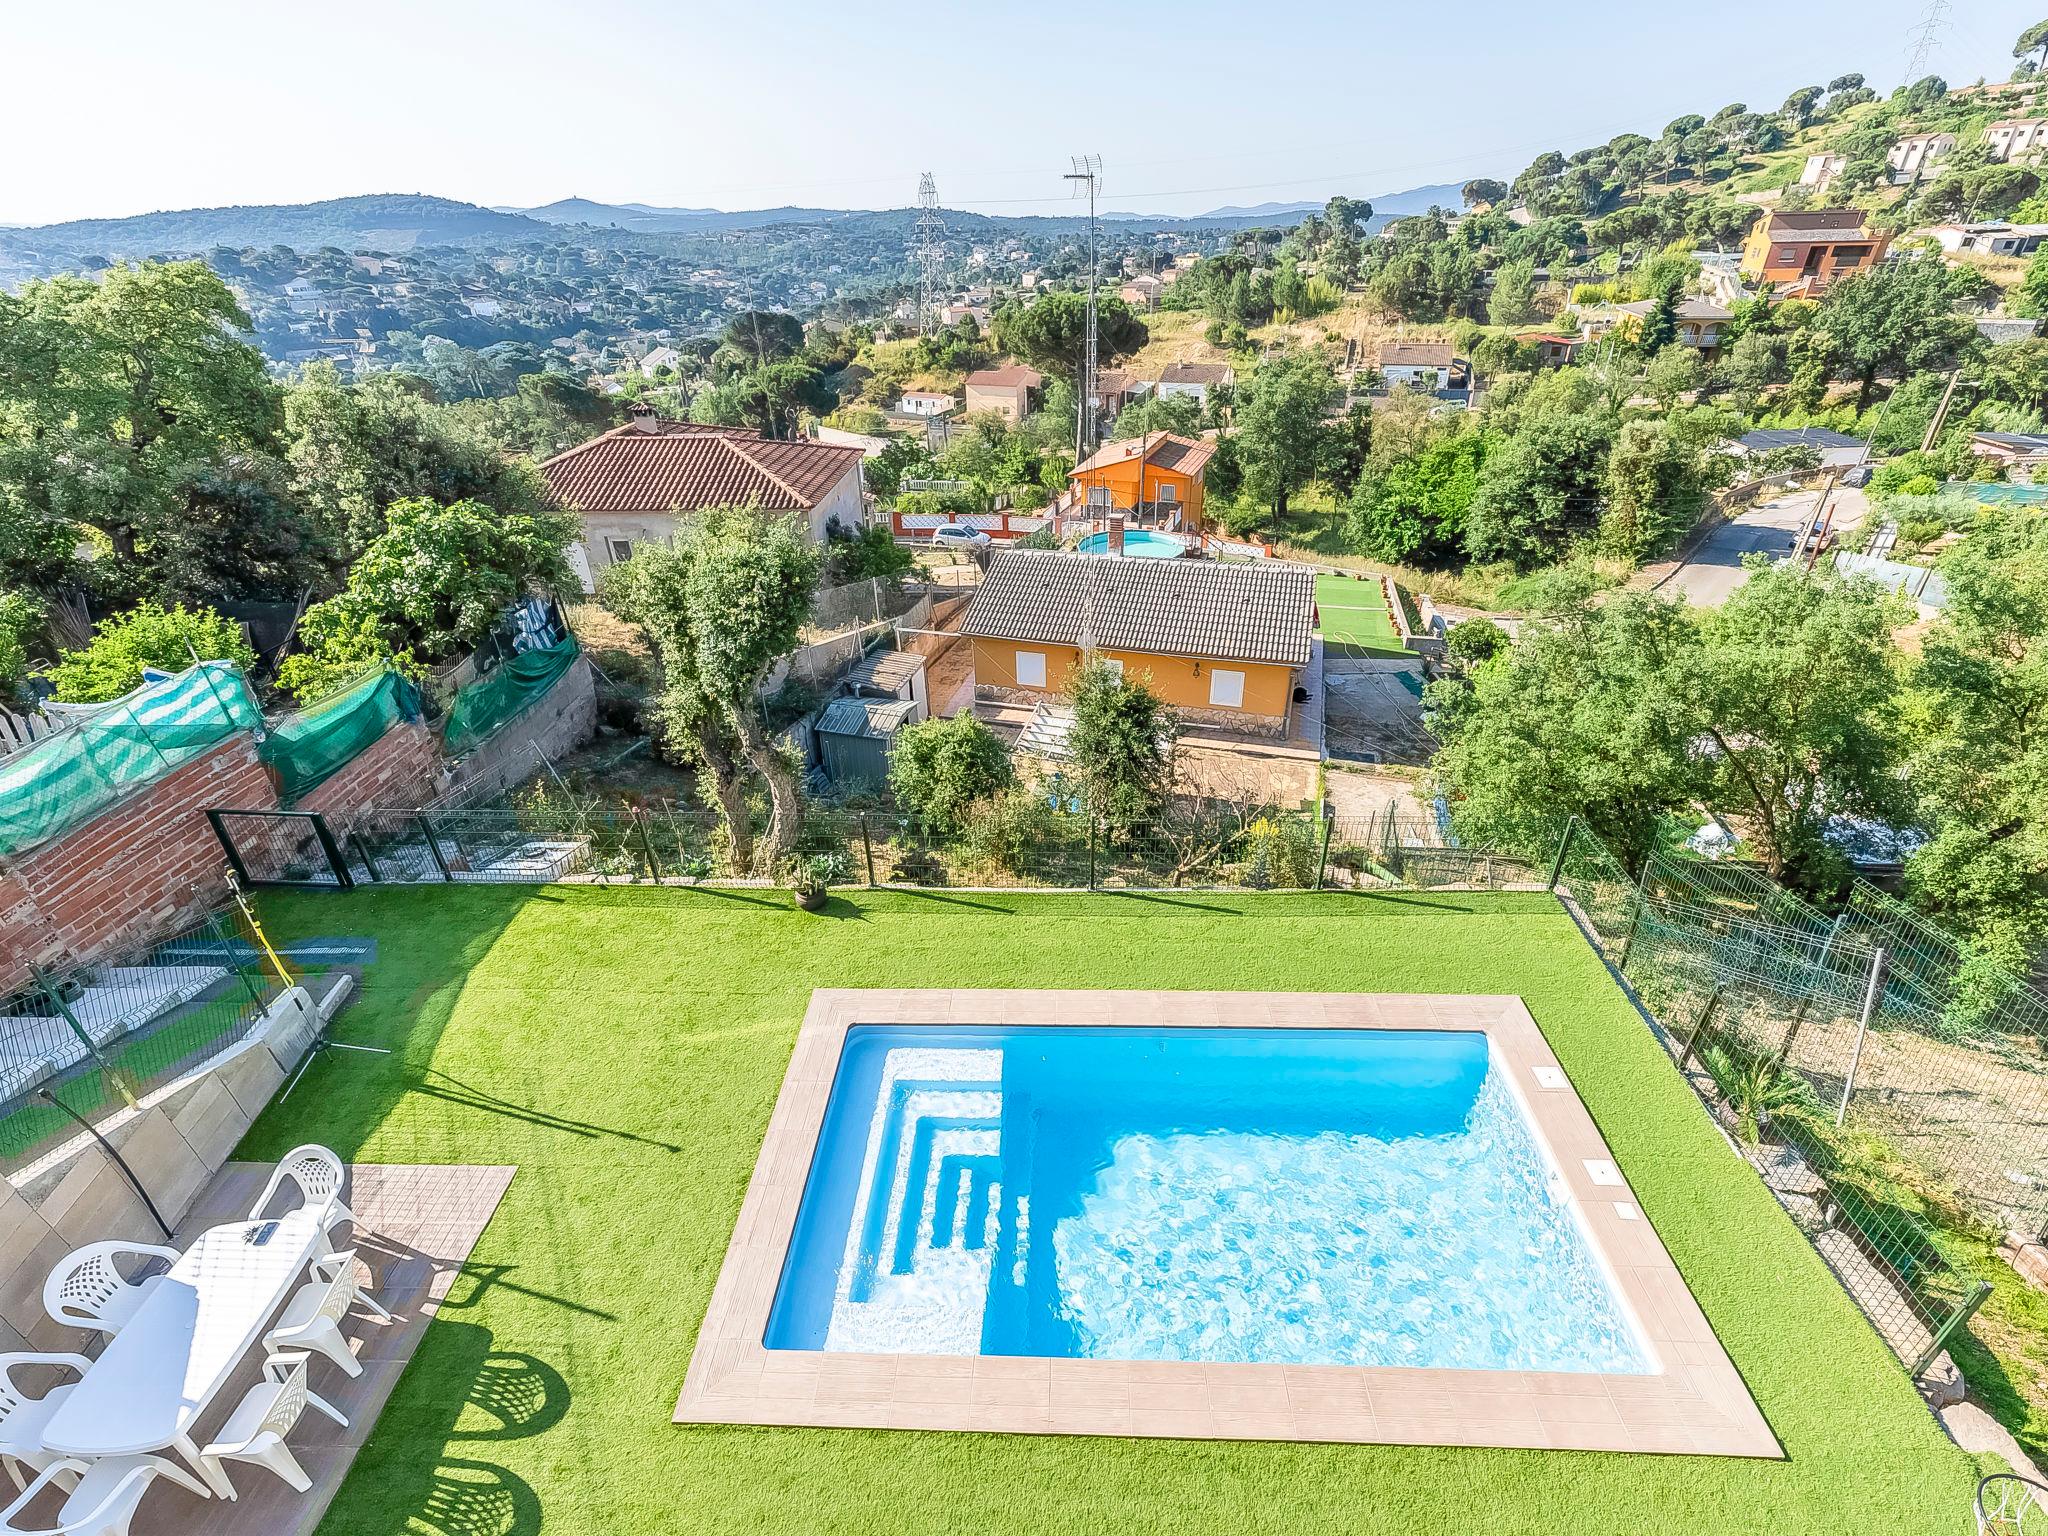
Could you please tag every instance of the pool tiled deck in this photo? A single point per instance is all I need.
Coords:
(1695, 1403)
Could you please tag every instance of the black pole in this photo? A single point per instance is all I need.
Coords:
(1564, 843)
(433, 845)
(1323, 856)
(119, 1162)
(867, 847)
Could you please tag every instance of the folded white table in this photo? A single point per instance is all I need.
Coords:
(157, 1374)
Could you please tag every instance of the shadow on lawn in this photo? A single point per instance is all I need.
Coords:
(431, 937)
(486, 1276)
(452, 1495)
(467, 1096)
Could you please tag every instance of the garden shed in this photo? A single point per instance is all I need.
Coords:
(855, 736)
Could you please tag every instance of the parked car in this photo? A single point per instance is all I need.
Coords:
(959, 536)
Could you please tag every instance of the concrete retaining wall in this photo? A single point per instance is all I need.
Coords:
(561, 720)
(175, 1140)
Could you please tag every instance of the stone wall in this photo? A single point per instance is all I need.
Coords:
(175, 1141)
(142, 869)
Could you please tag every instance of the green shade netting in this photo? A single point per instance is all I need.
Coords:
(68, 778)
(483, 706)
(315, 744)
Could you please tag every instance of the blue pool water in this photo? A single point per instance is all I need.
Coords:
(1353, 1197)
(1139, 543)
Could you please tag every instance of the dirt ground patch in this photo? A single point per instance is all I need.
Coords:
(1374, 716)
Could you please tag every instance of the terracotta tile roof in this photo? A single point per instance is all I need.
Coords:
(1005, 378)
(677, 466)
(1260, 612)
(1163, 450)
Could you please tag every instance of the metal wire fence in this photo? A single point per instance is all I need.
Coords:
(1199, 845)
(1842, 1075)
(81, 1040)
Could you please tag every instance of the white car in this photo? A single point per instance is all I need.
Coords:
(959, 536)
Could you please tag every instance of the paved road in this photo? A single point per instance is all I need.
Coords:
(1715, 569)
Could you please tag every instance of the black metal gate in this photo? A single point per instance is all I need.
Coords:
(282, 848)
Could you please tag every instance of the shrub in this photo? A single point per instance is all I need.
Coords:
(21, 616)
(1280, 852)
(1472, 641)
(147, 635)
(439, 578)
(1003, 829)
(1242, 519)
(940, 768)
(863, 554)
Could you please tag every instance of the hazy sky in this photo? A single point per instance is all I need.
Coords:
(121, 106)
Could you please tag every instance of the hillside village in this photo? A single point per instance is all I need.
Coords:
(638, 618)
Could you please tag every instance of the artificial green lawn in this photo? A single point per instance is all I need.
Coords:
(1354, 619)
(623, 1047)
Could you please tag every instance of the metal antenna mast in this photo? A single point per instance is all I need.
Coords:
(1087, 178)
(931, 254)
(1926, 38)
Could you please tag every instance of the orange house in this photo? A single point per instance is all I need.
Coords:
(1223, 645)
(1804, 252)
(1155, 479)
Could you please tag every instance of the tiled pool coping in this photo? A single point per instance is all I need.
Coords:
(1696, 1403)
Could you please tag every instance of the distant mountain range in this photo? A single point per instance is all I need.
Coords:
(400, 221)
(1386, 205)
(381, 221)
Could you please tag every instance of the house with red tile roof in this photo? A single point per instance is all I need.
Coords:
(1006, 391)
(632, 484)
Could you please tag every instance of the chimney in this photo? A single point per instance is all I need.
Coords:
(1116, 533)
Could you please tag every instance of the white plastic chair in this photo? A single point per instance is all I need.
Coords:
(104, 1500)
(22, 1417)
(318, 1173)
(312, 1318)
(255, 1431)
(88, 1290)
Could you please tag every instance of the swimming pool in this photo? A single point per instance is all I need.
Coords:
(1139, 544)
(1360, 1197)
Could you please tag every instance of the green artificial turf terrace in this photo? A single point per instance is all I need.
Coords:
(623, 1047)
(1353, 618)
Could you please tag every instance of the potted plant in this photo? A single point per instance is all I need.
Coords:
(810, 878)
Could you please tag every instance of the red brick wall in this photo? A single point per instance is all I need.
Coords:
(25, 935)
(399, 769)
(137, 871)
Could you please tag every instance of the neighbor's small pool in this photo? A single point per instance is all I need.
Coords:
(1301, 1196)
(1139, 543)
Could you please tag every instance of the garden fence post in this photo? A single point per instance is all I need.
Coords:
(1091, 850)
(332, 852)
(1964, 1309)
(1635, 916)
(434, 846)
(867, 847)
(1323, 858)
(1792, 1032)
(1870, 993)
(56, 996)
(1564, 844)
(1699, 1028)
(646, 844)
